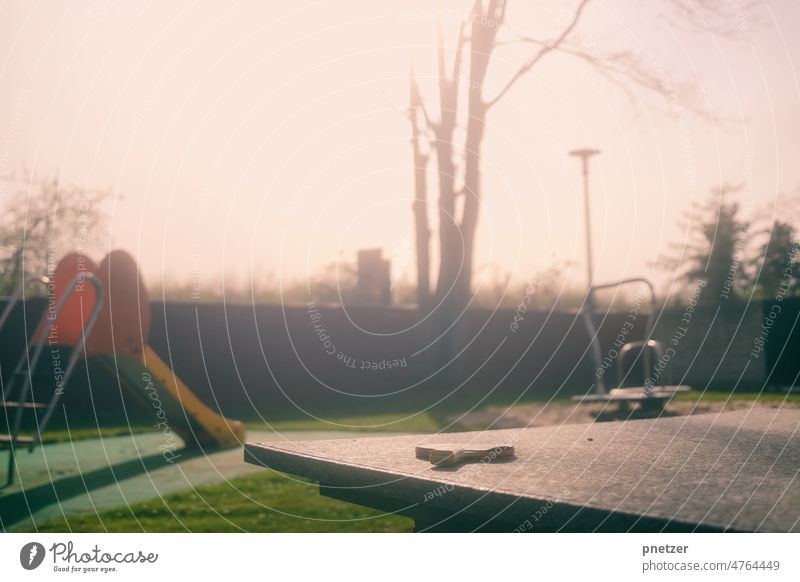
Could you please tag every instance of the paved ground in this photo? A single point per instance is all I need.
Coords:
(99, 474)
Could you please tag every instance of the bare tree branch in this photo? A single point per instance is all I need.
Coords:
(462, 40)
(712, 16)
(430, 124)
(447, 93)
(417, 104)
(543, 51)
(623, 67)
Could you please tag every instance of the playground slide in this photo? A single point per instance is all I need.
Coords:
(119, 340)
(175, 406)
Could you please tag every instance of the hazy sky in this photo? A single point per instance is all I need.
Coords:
(265, 135)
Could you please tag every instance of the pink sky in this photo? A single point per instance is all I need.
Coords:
(264, 136)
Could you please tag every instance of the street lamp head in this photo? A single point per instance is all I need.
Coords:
(584, 153)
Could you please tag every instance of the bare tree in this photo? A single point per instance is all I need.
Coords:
(478, 40)
(43, 222)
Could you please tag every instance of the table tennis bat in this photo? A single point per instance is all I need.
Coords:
(446, 455)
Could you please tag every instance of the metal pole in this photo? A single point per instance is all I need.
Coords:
(584, 155)
(588, 313)
(589, 274)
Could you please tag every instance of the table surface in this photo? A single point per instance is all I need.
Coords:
(733, 471)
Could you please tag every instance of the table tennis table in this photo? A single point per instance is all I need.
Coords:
(734, 471)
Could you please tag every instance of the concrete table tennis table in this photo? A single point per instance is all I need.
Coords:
(735, 471)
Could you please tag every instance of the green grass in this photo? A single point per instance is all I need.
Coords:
(262, 502)
(709, 396)
(400, 422)
(389, 423)
(271, 502)
(397, 422)
(62, 435)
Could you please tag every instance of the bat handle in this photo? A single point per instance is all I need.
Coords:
(446, 458)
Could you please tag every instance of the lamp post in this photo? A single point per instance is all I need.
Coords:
(588, 314)
(584, 155)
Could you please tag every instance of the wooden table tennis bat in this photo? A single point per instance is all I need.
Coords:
(446, 455)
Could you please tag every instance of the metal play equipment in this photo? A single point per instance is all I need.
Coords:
(115, 293)
(62, 324)
(651, 395)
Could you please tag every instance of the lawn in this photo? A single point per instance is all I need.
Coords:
(389, 423)
(709, 396)
(424, 422)
(263, 502)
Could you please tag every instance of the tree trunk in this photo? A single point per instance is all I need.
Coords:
(420, 205)
(449, 238)
(423, 237)
(458, 242)
(472, 202)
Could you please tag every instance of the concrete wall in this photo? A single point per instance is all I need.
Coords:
(287, 362)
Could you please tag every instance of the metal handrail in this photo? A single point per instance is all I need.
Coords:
(17, 295)
(32, 360)
(79, 347)
(630, 281)
(655, 345)
(588, 316)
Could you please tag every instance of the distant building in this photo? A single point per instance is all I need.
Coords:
(374, 286)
